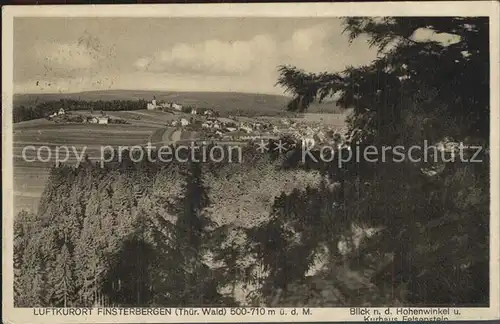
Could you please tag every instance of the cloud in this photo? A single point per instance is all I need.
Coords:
(211, 57)
(322, 47)
(310, 40)
(428, 35)
(308, 48)
(218, 64)
(311, 49)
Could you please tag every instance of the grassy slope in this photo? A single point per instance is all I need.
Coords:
(30, 177)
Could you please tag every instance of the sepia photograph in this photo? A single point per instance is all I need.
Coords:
(251, 162)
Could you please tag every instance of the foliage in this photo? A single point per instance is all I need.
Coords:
(434, 77)
(415, 91)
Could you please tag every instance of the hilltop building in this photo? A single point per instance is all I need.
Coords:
(152, 105)
(103, 120)
(57, 113)
(176, 106)
(246, 129)
(156, 105)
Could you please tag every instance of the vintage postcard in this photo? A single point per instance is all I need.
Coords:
(250, 162)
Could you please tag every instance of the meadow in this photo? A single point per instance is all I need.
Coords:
(324, 118)
(86, 139)
(142, 118)
(331, 119)
(29, 182)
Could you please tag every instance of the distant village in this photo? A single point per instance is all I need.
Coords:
(154, 105)
(175, 107)
(213, 127)
(235, 129)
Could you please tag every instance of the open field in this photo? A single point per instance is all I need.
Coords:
(324, 118)
(70, 134)
(336, 120)
(81, 140)
(142, 118)
(29, 183)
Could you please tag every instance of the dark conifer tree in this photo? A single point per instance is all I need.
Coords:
(62, 279)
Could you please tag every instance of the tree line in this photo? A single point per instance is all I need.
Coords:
(45, 109)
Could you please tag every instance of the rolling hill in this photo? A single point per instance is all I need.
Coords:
(230, 102)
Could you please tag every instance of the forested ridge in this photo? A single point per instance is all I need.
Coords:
(197, 234)
(151, 234)
(106, 217)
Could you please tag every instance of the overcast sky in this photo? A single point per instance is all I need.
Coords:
(179, 54)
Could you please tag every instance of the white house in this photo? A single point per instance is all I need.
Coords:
(193, 111)
(103, 120)
(184, 122)
(246, 129)
(163, 105)
(93, 120)
(208, 112)
(249, 137)
(152, 105)
(176, 106)
(61, 111)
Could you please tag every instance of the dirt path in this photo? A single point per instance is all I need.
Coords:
(173, 137)
(165, 136)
